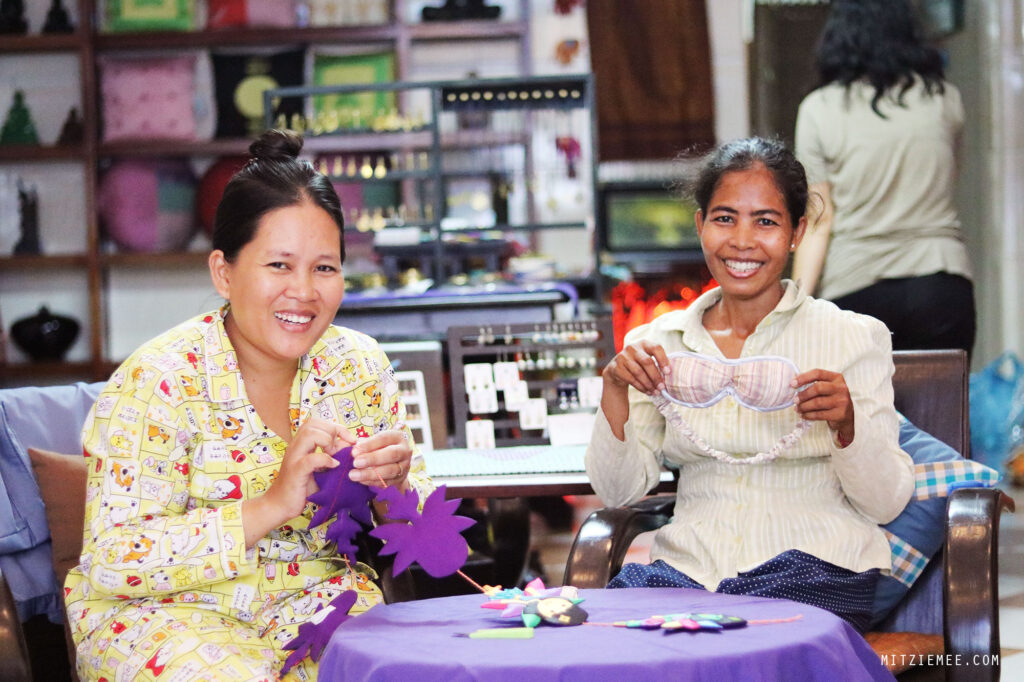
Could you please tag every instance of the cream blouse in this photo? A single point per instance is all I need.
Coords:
(815, 497)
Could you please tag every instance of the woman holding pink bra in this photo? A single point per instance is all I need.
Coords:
(776, 408)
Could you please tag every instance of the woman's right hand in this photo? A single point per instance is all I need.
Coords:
(642, 365)
(310, 450)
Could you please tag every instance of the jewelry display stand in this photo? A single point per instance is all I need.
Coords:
(559, 362)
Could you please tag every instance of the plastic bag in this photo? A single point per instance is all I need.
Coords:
(996, 394)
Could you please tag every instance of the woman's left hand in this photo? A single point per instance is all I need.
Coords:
(384, 456)
(826, 398)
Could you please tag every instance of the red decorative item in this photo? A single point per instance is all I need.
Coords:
(211, 188)
(569, 146)
(567, 6)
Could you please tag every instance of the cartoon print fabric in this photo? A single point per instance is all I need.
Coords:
(176, 447)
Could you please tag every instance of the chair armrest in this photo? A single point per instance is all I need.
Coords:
(970, 591)
(14, 660)
(605, 536)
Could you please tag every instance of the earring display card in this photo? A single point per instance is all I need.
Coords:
(519, 375)
(516, 395)
(589, 389)
(483, 401)
(480, 434)
(533, 414)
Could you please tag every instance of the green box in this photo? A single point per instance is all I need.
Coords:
(150, 15)
(354, 70)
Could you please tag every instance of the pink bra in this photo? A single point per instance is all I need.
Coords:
(759, 383)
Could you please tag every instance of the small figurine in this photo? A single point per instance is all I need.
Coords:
(72, 131)
(18, 128)
(57, 19)
(12, 17)
(28, 203)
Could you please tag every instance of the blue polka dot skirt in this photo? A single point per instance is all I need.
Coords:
(793, 575)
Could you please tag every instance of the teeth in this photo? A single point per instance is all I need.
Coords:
(294, 319)
(742, 265)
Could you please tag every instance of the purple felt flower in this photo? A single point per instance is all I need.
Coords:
(314, 634)
(432, 538)
(342, 497)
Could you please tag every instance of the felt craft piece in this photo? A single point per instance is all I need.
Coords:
(553, 610)
(241, 78)
(432, 537)
(685, 621)
(314, 634)
(342, 497)
(513, 601)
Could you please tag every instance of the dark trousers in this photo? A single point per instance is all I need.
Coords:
(931, 311)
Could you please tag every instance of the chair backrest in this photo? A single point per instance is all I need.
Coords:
(931, 391)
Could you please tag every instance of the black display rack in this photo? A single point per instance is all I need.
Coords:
(552, 356)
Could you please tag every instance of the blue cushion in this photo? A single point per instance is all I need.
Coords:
(919, 531)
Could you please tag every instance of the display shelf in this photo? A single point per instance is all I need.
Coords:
(414, 395)
(15, 374)
(89, 43)
(550, 358)
(65, 42)
(14, 153)
(466, 119)
(43, 261)
(165, 259)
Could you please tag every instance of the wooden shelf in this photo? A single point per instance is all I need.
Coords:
(184, 148)
(31, 153)
(158, 40)
(18, 372)
(477, 29)
(50, 42)
(43, 261)
(147, 260)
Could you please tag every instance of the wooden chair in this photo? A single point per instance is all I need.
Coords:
(931, 391)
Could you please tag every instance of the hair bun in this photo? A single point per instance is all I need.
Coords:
(276, 145)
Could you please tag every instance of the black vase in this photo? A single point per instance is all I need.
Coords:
(44, 336)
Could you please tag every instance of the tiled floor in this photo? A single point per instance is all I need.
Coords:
(553, 547)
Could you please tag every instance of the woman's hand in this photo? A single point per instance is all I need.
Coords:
(641, 365)
(826, 398)
(384, 456)
(310, 450)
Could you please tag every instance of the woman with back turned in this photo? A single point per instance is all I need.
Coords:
(879, 140)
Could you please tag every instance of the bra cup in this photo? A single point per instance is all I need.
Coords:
(764, 385)
(759, 383)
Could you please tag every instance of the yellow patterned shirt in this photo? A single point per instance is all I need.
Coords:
(175, 446)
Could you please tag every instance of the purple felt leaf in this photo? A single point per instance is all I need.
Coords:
(314, 634)
(432, 539)
(341, 497)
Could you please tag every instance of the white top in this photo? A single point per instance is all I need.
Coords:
(815, 497)
(892, 181)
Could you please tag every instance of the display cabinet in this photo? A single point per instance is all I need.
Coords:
(548, 377)
(473, 172)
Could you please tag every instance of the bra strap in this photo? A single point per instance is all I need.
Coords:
(672, 416)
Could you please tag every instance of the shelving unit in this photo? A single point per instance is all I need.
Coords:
(87, 44)
(550, 358)
(427, 158)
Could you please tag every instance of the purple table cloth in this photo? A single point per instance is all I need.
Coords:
(417, 641)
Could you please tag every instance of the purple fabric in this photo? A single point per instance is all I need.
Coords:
(431, 538)
(417, 641)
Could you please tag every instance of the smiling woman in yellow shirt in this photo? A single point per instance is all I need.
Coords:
(198, 559)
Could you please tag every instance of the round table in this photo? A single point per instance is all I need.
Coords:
(420, 640)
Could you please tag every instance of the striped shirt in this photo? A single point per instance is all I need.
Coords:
(815, 497)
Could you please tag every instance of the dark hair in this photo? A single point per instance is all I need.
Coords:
(274, 178)
(877, 40)
(741, 155)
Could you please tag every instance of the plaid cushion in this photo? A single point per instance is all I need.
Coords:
(919, 531)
